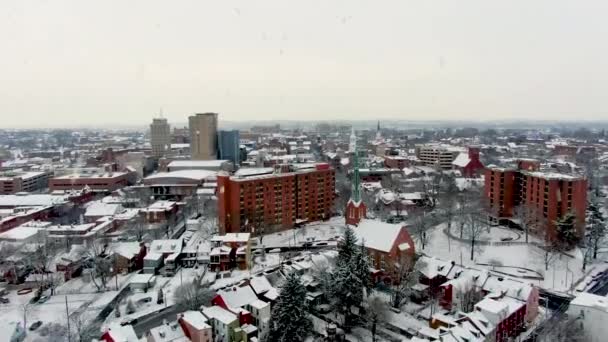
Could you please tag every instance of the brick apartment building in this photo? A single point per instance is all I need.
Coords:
(14, 182)
(544, 196)
(278, 200)
(108, 181)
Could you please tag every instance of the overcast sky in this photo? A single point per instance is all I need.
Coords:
(118, 62)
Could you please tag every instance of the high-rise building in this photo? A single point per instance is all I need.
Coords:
(265, 203)
(228, 144)
(203, 136)
(542, 198)
(160, 136)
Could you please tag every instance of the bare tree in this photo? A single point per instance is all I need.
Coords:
(419, 227)
(525, 218)
(448, 199)
(469, 295)
(376, 311)
(82, 329)
(406, 275)
(191, 296)
(563, 328)
(99, 264)
(473, 228)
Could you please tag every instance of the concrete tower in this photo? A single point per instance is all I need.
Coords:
(160, 137)
(203, 136)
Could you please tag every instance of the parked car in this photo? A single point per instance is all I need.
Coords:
(144, 300)
(43, 299)
(35, 325)
(4, 300)
(130, 321)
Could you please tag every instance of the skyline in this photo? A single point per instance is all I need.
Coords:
(114, 64)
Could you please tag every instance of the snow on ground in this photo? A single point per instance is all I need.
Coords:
(563, 272)
(53, 311)
(79, 285)
(329, 230)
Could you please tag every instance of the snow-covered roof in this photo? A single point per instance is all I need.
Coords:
(232, 237)
(492, 306)
(121, 333)
(196, 163)
(260, 284)
(125, 249)
(586, 299)
(167, 332)
(19, 233)
(237, 297)
(99, 208)
(377, 235)
(196, 175)
(220, 314)
(195, 319)
(166, 246)
(252, 171)
(462, 160)
(43, 200)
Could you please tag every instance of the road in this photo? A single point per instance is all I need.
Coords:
(154, 320)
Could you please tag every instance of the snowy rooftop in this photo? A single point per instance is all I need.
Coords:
(237, 297)
(195, 319)
(19, 233)
(88, 175)
(377, 235)
(125, 249)
(167, 332)
(462, 160)
(252, 171)
(197, 163)
(196, 175)
(222, 315)
(31, 200)
(586, 299)
(232, 237)
(260, 284)
(99, 208)
(166, 246)
(121, 333)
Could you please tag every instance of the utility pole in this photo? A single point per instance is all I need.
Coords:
(67, 315)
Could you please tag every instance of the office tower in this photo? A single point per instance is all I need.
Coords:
(203, 136)
(160, 137)
(228, 143)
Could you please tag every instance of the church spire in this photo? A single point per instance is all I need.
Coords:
(356, 192)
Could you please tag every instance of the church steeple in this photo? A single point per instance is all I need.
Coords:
(356, 192)
(355, 208)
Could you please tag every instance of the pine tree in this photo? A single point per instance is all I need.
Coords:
(361, 268)
(160, 297)
(566, 231)
(289, 319)
(347, 248)
(347, 292)
(596, 227)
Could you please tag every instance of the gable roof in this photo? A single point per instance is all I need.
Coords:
(380, 236)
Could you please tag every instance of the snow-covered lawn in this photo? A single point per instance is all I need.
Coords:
(53, 311)
(329, 230)
(562, 273)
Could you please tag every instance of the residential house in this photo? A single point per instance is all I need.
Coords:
(389, 247)
(195, 326)
(169, 332)
(224, 324)
(232, 250)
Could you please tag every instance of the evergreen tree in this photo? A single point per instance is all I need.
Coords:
(347, 248)
(289, 320)
(347, 292)
(596, 227)
(361, 268)
(566, 231)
